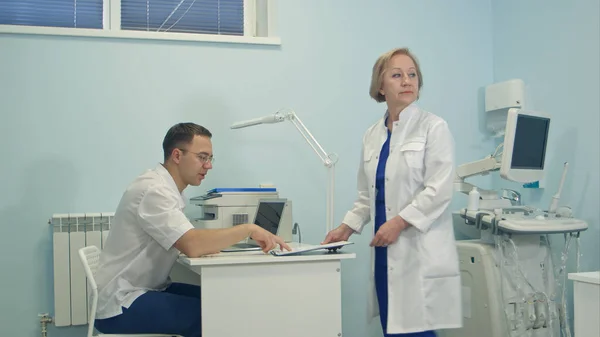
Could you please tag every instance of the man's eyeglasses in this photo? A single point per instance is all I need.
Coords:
(201, 156)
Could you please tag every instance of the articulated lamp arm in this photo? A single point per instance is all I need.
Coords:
(328, 159)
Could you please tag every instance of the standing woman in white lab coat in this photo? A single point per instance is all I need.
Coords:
(405, 184)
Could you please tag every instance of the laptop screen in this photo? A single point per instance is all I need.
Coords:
(268, 214)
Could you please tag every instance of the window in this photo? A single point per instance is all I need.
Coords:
(52, 13)
(246, 21)
(186, 16)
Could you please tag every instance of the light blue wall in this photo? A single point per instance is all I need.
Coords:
(554, 47)
(82, 117)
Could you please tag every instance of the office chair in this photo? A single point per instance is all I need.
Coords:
(90, 256)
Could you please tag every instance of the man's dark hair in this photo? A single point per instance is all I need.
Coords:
(182, 133)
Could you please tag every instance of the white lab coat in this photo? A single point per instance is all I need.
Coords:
(424, 286)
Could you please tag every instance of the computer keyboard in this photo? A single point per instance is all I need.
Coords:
(241, 247)
(524, 221)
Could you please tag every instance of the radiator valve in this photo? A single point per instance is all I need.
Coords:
(45, 319)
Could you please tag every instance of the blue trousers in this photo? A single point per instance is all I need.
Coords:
(173, 311)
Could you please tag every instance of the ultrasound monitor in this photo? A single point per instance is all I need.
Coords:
(525, 143)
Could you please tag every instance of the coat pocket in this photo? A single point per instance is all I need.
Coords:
(443, 301)
(368, 155)
(368, 160)
(369, 165)
(413, 151)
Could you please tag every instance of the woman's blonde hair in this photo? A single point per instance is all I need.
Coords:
(379, 67)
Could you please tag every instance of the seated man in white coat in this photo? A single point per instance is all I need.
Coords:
(149, 232)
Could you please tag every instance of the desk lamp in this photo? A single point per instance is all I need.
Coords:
(328, 160)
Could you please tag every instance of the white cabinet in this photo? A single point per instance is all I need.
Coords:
(586, 302)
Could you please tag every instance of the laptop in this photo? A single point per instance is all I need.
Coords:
(268, 216)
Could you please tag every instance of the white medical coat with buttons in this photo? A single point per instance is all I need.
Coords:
(424, 285)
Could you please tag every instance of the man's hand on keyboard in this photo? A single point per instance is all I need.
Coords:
(266, 240)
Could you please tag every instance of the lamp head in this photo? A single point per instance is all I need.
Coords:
(275, 118)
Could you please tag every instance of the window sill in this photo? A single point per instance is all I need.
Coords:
(130, 34)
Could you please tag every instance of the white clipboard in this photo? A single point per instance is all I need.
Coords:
(331, 247)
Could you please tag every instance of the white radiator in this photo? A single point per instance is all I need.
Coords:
(70, 233)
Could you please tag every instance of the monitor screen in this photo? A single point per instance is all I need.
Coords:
(530, 140)
(268, 215)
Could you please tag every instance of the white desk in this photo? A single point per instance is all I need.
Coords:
(586, 303)
(253, 294)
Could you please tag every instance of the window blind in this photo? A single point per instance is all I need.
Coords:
(184, 16)
(52, 13)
